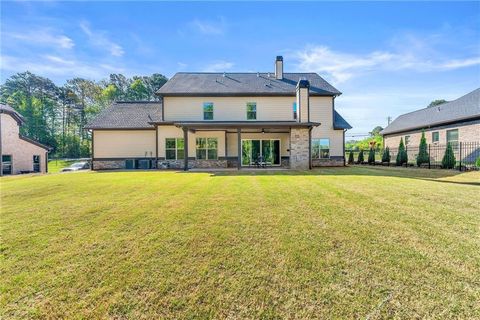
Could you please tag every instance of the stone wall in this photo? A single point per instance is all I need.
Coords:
(331, 162)
(299, 149)
(108, 164)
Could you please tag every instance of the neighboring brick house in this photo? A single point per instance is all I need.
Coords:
(454, 121)
(19, 154)
(222, 120)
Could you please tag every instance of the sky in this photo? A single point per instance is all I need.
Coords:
(386, 58)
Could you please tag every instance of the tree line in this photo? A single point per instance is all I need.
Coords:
(56, 115)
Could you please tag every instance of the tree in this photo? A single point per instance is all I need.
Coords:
(376, 131)
(423, 156)
(360, 157)
(350, 157)
(371, 156)
(448, 161)
(402, 157)
(386, 155)
(435, 103)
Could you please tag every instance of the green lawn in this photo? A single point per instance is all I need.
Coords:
(338, 243)
(55, 166)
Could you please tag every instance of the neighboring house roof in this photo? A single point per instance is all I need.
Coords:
(243, 84)
(462, 109)
(12, 112)
(339, 122)
(128, 115)
(38, 144)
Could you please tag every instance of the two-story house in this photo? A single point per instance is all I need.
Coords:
(220, 120)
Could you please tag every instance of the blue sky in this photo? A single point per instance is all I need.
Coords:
(387, 58)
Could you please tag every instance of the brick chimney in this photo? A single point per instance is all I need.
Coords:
(279, 68)
(303, 100)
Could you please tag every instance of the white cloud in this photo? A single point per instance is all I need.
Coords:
(99, 39)
(55, 66)
(42, 37)
(218, 66)
(209, 27)
(342, 66)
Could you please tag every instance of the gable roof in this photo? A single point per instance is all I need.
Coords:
(464, 108)
(4, 108)
(35, 142)
(243, 84)
(128, 115)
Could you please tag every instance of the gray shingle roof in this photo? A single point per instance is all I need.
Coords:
(9, 110)
(463, 108)
(339, 122)
(128, 115)
(198, 83)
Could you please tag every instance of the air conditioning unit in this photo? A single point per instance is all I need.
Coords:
(144, 164)
(130, 164)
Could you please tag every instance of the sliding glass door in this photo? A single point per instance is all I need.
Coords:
(261, 152)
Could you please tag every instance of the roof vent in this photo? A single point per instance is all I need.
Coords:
(224, 75)
(258, 74)
(268, 74)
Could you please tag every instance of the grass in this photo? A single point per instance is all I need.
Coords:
(55, 166)
(353, 242)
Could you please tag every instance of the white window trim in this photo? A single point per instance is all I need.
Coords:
(206, 149)
(246, 113)
(176, 149)
(203, 111)
(329, 149)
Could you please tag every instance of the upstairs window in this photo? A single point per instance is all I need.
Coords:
(174, 149)
(435, 137)
(320, 148)
(251, 111)
(207, 148)
(208, 111)
(295, 111)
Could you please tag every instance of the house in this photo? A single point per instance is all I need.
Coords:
(454, 121)
(220, 120)
(19, 154)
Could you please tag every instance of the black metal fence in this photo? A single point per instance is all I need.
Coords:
(467, 155)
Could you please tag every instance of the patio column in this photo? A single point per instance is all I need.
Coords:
(185, 147)
(239, 138)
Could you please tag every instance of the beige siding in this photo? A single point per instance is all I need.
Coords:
(22, 151)
(232, 141)
(321, 110)
(124, 143)
(466, 133)
(303, 104)
(228, 108)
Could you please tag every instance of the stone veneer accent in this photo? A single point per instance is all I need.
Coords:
(108, 164)
(331, 162)
(299, 148)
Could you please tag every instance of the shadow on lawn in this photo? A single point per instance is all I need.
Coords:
(408, 173)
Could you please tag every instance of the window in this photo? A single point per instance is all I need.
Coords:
(435, 137)
(407, 140)
(36, 163)
(208, 111)
(320, 148)
(7, 164)
(251, 111)
(295, 110)
(452, 136)
(174, 149)
(207, 148)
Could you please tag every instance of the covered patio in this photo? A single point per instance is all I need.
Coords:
(259, 144)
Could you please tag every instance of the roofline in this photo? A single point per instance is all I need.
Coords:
(15, 115)
(434, 124)
(243, 94)
(38, 144)
(119, 128)
(238, 124)
(137, 102)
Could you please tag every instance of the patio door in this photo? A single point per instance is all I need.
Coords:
(266, 151)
